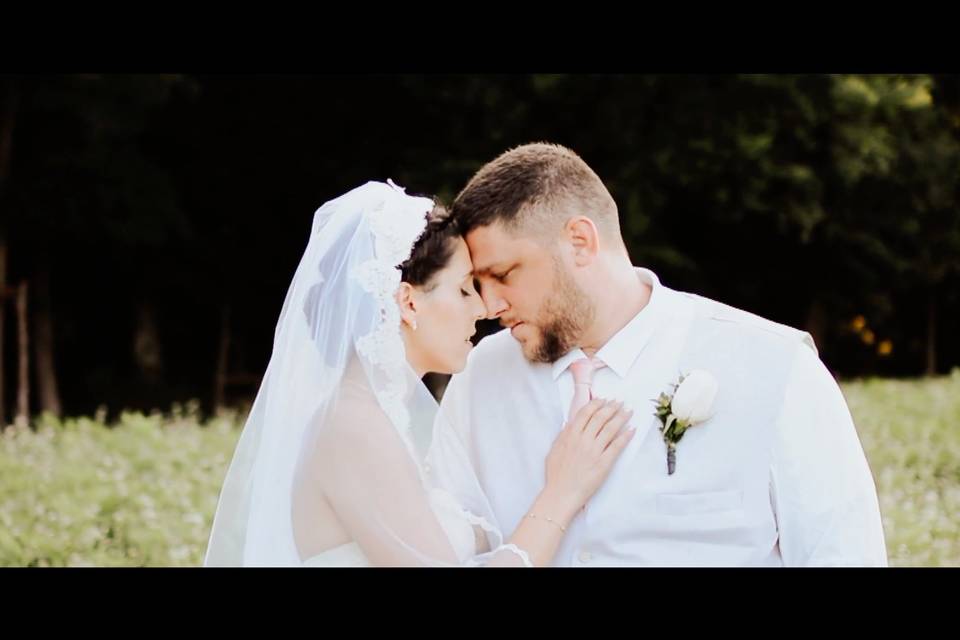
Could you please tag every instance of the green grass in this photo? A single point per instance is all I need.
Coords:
(143, 492)
(910, 431)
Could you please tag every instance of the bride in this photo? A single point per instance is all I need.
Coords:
(330, 468)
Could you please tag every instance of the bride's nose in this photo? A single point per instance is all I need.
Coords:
(479, 308)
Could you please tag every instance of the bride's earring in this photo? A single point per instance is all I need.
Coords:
(414, 325)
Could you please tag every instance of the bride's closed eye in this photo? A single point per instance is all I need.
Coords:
(470, 290)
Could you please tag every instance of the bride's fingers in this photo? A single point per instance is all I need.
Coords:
(600, 418)
(612, 427)
(583, 416)
(618, 444)
(574, 427)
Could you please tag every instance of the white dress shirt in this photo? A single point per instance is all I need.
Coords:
(776, 477)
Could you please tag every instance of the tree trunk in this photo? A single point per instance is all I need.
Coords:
(23, 381)
(932, 333)
(43, 344)
(3, 313)
(220, 376)
(8, 113)
(146, 345)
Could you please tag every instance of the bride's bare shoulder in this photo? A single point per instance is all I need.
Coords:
(354, 416)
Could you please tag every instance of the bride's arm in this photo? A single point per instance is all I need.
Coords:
(374, 486)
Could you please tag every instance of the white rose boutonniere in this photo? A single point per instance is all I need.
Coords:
(691, 404)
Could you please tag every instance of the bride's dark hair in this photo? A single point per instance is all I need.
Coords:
(433, 249)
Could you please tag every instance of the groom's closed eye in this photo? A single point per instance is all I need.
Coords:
(500, 277)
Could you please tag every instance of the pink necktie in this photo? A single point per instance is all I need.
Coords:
(582, 371)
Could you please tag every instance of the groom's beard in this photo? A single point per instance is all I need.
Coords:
(566, 314)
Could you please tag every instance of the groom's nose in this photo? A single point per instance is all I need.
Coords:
(493, 302)
(478, 307)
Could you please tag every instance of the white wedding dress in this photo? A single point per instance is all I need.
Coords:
(463, 537)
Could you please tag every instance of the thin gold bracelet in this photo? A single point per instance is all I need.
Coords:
(550, 520)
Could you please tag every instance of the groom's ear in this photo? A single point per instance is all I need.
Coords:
(584, 238)
(406, 303)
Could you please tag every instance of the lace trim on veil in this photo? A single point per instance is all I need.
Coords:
(482, 522)
(395, 231)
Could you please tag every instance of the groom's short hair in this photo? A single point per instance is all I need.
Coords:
(533, 190)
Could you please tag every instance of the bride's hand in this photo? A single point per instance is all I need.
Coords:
(583, 455)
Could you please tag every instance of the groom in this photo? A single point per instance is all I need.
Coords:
(774, 476)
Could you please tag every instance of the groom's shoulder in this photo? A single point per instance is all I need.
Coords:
(726, 317)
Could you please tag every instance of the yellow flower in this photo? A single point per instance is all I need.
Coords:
(885, 348)
(858, 323)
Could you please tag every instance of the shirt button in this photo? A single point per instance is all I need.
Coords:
(585, 556)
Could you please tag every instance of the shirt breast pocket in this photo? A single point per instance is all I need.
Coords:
(699, 503)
